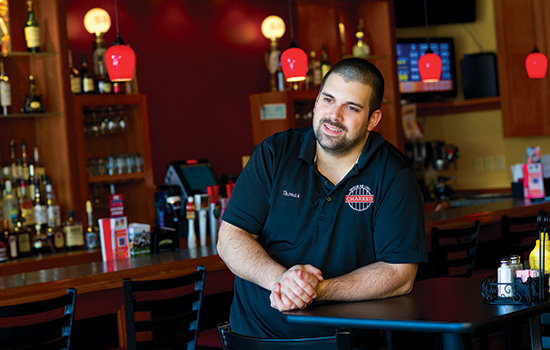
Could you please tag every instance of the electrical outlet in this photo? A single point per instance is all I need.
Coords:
(479, 164)
(490, 163)
(501, 162)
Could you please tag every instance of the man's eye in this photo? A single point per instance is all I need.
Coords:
(353, 109)
(328, 99)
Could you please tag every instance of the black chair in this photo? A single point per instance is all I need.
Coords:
(163, 313)
(233, 341)
(453, 251)
(518, 235)
(41, 325)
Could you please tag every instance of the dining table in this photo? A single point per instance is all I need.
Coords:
(450, 306)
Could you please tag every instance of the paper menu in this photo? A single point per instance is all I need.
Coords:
(113, 233)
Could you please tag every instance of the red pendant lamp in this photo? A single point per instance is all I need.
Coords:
(120, 59)
(429, 64)
(536, 63)
(293, 59)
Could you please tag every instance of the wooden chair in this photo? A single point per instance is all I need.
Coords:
(453, 251)
(163, 313)
(518, 235)
(44, 324)
(233, 341)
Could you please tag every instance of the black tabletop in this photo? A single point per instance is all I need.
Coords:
(442, 305)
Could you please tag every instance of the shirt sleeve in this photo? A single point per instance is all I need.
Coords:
(249, 203)
(399, 224)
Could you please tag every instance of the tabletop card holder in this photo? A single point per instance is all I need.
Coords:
(519, 292)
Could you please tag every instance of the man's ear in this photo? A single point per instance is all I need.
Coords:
(374, 119)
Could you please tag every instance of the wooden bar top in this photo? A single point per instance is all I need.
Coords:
(98, 276)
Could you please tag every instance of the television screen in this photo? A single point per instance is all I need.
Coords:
(410, 13)
(411, 87)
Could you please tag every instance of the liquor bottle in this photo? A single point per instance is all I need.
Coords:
(74, 76)
(361, 48)
(4, 245)
(98, 57)
(10, 208)
(88, 84)
(325, 64)
(314, 70)
(74, 235)
(33, 99)
(13, 162)
(5, 90)
(24, 238)
(92, 231)
(12, 240)
(26, 205)
(54, 213)
(41, 242)
(39, 169)
(32, 30)
(24, 162)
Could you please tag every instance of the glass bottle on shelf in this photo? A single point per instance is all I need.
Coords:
(92, 231)
(88, 83)
(74, 235)
(5, 90)
(33, 99)
(314, 70)
(12, 240)
(361, 48)
(40, 210)
(74, 76)
(26, 207)
(4, 245)
(24, 238)
(39, 169)
(325, 63)
(32, 30)
(24, 162)
(10, 208)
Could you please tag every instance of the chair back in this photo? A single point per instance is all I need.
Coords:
(453, 251)
(518, 235)
(163, 313)
(41, 325)
(233, 341)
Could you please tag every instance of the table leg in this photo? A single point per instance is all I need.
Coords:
(454, 341)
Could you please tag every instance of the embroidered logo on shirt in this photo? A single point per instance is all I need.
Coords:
(290, 194)
(359, 198)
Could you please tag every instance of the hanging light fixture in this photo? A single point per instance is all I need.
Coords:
(293, 59)
(536, 63)
(429, 65)
(273, 28)
(120, 59)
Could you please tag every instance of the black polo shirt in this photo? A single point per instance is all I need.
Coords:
(374, 214)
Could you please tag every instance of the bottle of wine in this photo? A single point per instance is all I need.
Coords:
(33, 99)
(4, 245)
(10, 208)
(74, 76)
(32, 30)
(325, 64)
(12, 240)
(92, 231)
(88, 84)
(74, 235)
(5, 90)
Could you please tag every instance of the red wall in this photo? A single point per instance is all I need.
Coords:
(197, 62)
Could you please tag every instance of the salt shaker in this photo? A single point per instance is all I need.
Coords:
(505, 279)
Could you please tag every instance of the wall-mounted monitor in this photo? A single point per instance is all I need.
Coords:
(411, 87)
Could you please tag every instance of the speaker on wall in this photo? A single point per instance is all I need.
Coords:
(479, 75)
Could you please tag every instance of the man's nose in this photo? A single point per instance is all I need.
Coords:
(337, 112)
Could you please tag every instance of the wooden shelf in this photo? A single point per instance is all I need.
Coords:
(30, 115)
(428, 109)
(117, 178)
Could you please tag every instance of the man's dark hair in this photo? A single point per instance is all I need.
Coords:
(361, 71)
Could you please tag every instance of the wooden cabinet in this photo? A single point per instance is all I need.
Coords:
(525, 103)
(318, 24)
(49, 131)
(114, 153)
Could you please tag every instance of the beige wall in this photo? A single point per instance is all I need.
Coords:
(479, 134)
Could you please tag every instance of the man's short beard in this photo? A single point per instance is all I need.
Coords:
(343, 146)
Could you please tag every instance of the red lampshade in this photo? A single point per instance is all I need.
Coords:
(536, 64)
(429, 66)
(294, 64)
(120, 60)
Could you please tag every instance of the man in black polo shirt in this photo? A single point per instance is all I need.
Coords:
(331, 212)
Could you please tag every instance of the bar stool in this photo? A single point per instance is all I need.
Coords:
(518, 235)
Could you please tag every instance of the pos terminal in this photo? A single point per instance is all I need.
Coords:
(183, 179)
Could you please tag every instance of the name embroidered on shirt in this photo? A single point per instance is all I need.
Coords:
(290, 194)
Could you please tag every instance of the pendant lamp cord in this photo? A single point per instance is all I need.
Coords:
(425, 21)
(290, 19)
(116, 18)
(533, 22)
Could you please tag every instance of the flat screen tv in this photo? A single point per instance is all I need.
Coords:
(410, 13)
(411, 87)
